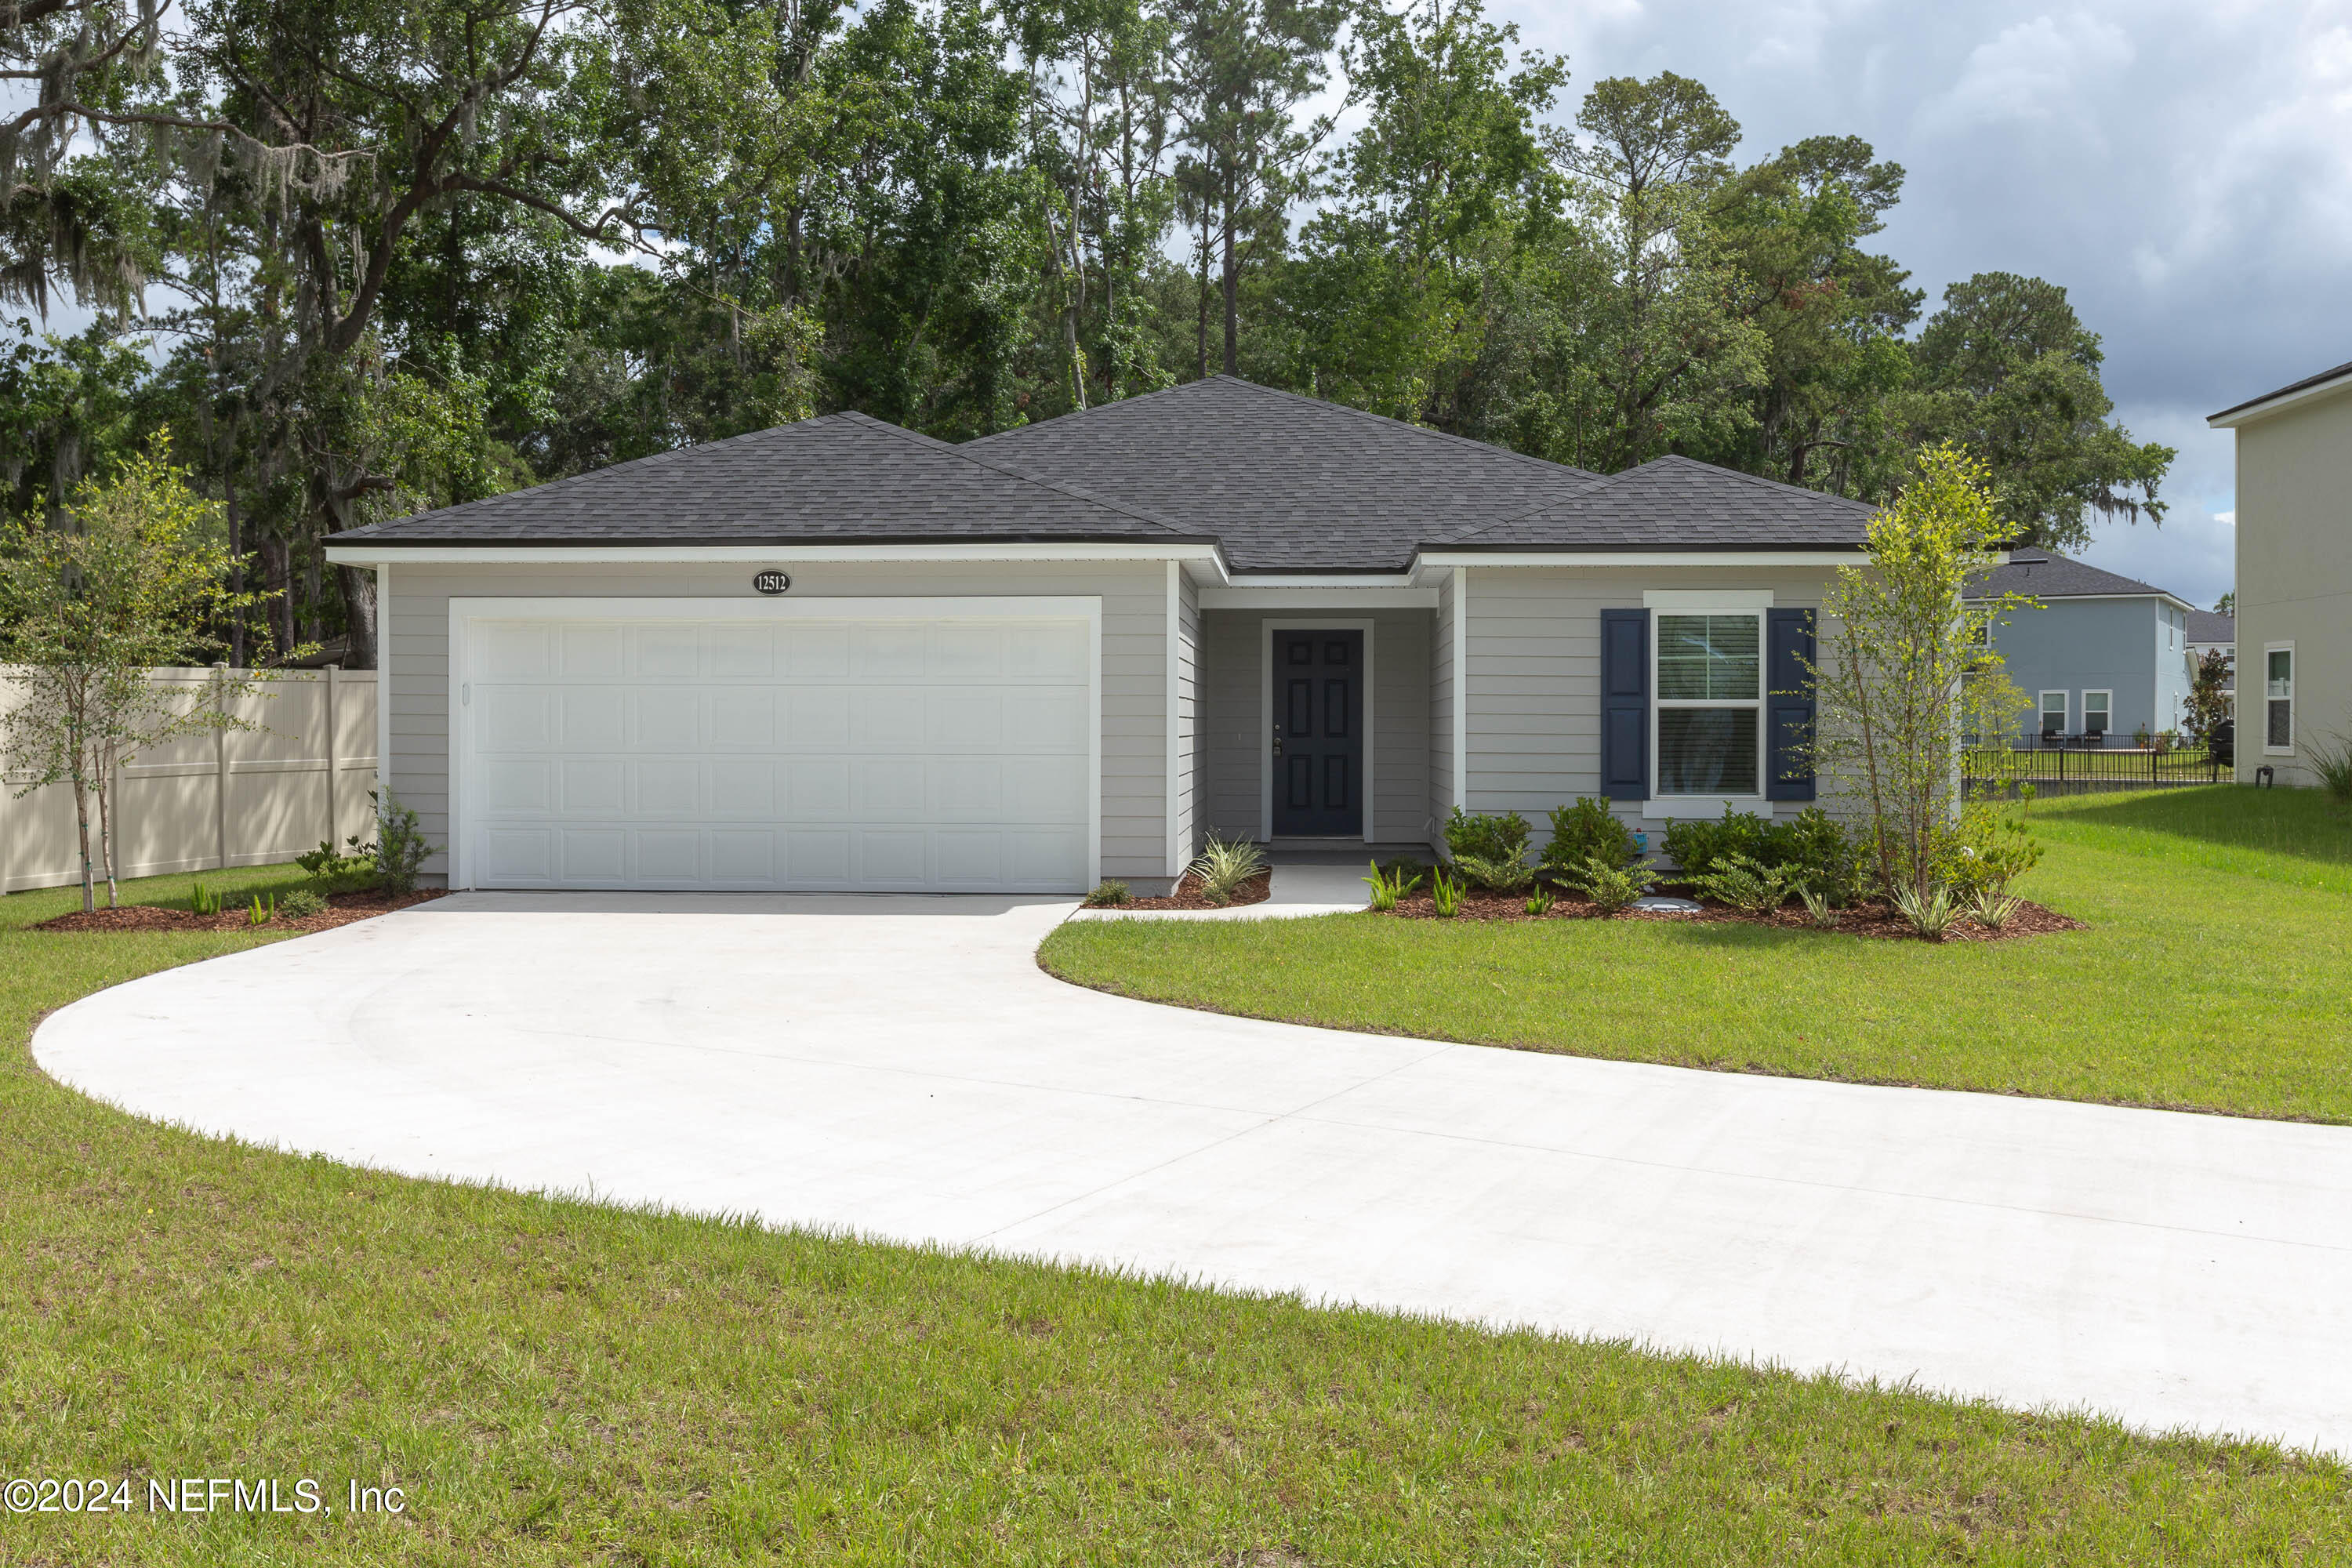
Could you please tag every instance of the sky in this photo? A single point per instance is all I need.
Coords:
(2184, 170)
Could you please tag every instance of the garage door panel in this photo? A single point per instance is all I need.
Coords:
(945, 754)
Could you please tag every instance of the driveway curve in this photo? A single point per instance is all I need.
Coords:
(899, 1067)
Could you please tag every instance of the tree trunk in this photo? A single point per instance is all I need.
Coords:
(359, 615)
(277, 581)
(81, 824)
(236, 650)
(1204, 292)
(1232, 280)
(106, 781)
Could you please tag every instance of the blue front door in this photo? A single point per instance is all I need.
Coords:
(1318, 724)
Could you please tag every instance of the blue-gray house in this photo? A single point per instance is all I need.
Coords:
(2104, 656)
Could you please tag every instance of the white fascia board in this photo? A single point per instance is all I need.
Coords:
(362, 555)
(2284, 400)
(1319, 597)
(1644, 558)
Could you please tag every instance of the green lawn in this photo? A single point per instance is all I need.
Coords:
(2213, 976)
(556, 1384)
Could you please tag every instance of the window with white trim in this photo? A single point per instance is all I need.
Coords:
(2095, 708)
(2278, 697)
(2053, 712)
(1709, 686)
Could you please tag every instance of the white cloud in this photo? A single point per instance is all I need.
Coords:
(2034, 71)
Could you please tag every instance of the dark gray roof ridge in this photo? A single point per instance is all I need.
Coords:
(1076, 492)
(1668, 459)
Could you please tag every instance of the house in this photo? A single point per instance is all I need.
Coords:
(2295, 570)
(2102, 656)
(838, 654)
(2215, 631)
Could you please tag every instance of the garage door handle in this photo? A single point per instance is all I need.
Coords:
(464, 694)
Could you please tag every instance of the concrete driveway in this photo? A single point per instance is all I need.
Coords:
(900, 1067)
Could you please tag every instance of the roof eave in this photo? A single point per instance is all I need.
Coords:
(2286, 397)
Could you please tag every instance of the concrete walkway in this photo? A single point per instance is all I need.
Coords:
(901, 1067)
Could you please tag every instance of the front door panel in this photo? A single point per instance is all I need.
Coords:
(1317, 703)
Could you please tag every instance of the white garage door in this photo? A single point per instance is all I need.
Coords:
(807, 746)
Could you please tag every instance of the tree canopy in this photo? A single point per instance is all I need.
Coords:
(357, 256)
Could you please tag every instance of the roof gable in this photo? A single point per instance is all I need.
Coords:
(839, 476)
(1287, 482)
(2041, 575)
(1680, 503)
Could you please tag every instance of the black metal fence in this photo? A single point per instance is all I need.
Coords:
(2070, 769)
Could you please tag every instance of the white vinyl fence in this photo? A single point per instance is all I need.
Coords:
(242, 797)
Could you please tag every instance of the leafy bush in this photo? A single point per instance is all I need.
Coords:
(1224, 865)
(1587, 830)
(1494, 876)
(1610, 888)
(301, 904)
(1747, 885)
(1108, 892)
(339, 870)
(1391, 885)
(1445, 894)
(1502, 840)
(1818, 852)
(1697, 845)
(1985, 851)
(1931, 913)
(1540, 901)
(401, 849)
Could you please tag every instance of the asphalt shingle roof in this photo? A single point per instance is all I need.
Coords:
(840, 477)
(1679, 503)
(1289, 483)
(2308, 381)
(2047, 576)
(1279, 482)
(2212, 625)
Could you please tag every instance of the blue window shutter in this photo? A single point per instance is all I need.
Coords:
(1789, 696)
(1625, 704)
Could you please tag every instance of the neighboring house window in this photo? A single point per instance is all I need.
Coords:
(2053, 712)
(1710, 700)
(2096, 705)
(2278, 699)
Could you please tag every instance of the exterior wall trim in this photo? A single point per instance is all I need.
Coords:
(1457, 559)
(705, 555)
(1172, 643)
(1461, 690)
(1258, 596)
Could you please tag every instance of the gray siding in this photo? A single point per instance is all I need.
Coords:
(1534, 678)
(1442, 789)
(2092, 645)
(1188, 720)
(1134, 663)
(1234, 724)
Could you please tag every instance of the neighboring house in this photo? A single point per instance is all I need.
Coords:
(839, 655)
(2215, 631)
(2103, 654)
(2294, 571)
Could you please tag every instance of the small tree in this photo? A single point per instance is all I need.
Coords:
(2209, 698)
(138, 577)
(1908, 669)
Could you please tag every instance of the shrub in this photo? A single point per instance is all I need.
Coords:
(1501, 839)
(1610, 888)
(339, 870)
(1586, 829)
(1445, 894)
(1697, 845)
(1540, 901)
(1818, 852)
(1391, 885)
(1747, 885)
(1494, 876)
(1818, 909)
(1985, 851)
(1224, 865)
(2332, 762)
(401, 849)
(1108, 892)
(301, 904)
(1931, 913)
(1992, 909)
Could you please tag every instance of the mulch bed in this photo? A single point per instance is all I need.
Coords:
(1870, 919)
(1187, 895)
(341, 910)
